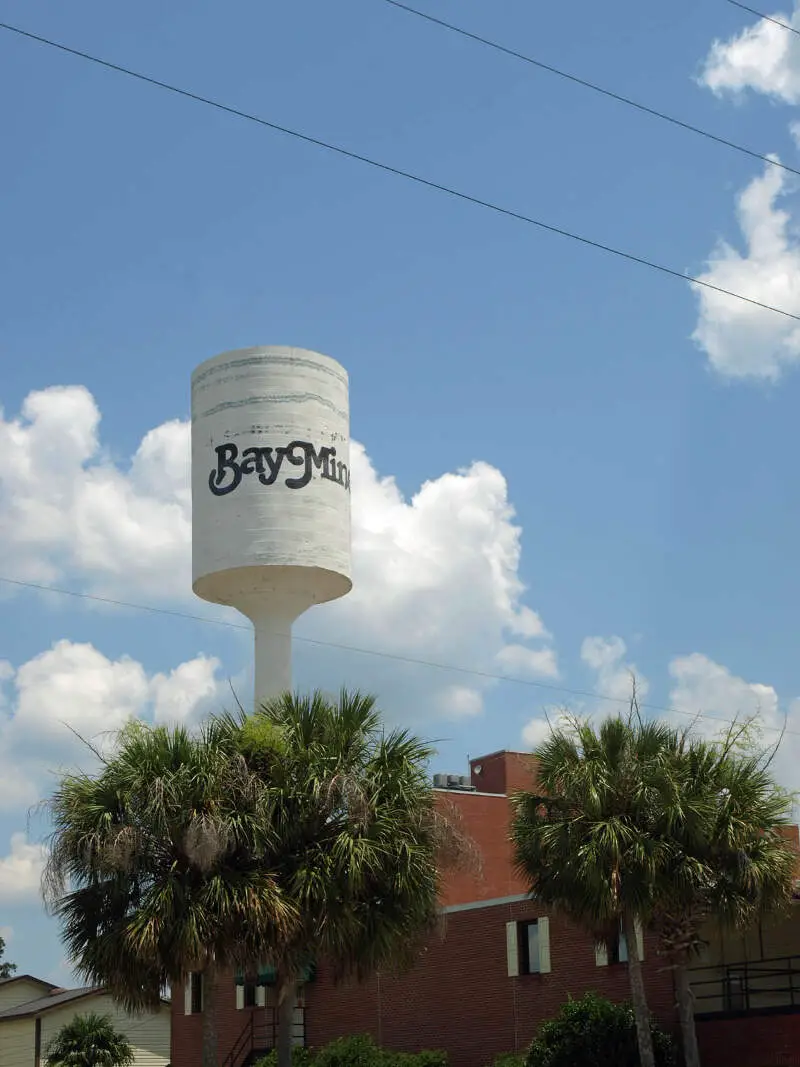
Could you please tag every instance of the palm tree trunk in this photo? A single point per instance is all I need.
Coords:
(638, 995)
(287, 995)
(685, 1000)
(209, 1005)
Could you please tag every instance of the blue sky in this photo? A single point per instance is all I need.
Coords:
(644, 436)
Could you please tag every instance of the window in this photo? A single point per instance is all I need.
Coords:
(193, 994)
(615, 950)
(528, 946)
(618, 949)
(735, 991)
(249, 994)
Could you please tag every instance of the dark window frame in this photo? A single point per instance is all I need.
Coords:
(523, 943)
(196, 993)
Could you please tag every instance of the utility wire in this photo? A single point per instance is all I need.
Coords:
(396, 657)
(408, 175)
(767, 18)
(591, 85)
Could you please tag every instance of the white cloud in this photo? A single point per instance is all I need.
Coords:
(606, 658)
(66, 508)
(519, 659)
(436, 576)
(21, 871)
(73, 691)
(741, 340)
(460, 702)
(614, 674)
(538, 729)
(75, 686)
(701, 685)
(763, 57)
(182, 695)
(708, 692)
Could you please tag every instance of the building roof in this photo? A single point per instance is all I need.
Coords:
(27, 978)
(53, 1000)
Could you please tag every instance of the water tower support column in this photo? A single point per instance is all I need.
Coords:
(272, 622)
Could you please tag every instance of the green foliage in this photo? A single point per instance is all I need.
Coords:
(305, 831)
(734, 864)
(6, 969)
(89, 1041)
(157, 864)
(593, 1032)
(358, 1050)
(593, 840)
(357, 840)
(509, 1059)
(301, 1057)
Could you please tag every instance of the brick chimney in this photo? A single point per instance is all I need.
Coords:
(503, 772)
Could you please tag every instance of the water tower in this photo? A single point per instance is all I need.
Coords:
(270, 492)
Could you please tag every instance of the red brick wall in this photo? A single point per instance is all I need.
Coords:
(187, 1030)
(458, 997)
(503, 772)
(486, 820)
(750, 1041)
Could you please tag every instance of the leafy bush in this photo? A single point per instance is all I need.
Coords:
(426, 1058)
(301, 1057)
(358, 1050)
(509, 1059)
(593, 1032)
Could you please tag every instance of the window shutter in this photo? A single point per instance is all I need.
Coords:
(187, 994)
(543, 924)
(601, 954)
(239, 997)
(639, 938)
(512, 949)
(261, 996)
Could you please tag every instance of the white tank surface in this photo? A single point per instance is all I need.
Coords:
(270, 492)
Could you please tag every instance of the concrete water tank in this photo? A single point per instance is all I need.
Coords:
(270, 492)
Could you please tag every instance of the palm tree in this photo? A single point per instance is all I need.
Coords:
(593, 839)
(89, 1041)
(733, 866)
(358, 841)
(160, 866)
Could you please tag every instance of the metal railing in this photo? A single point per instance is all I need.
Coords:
(260, 1034)
(747, 986)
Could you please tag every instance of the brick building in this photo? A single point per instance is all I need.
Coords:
(503, 964)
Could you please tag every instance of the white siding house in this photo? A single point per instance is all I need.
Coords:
(28, 1027)
(20, 989)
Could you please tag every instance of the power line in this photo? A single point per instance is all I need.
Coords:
(400, 173)
(767, 18)
(396, 657)
(539, 64)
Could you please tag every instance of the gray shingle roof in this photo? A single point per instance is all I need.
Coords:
(27, 978)
(54, 1000)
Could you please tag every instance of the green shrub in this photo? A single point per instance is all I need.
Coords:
(593, 1032)
(301, 1057)
(426, 1058)
(358, 1050)
(509, 1059)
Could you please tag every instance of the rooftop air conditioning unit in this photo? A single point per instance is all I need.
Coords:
(454, 781)
(465, 781)
(440, 781)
